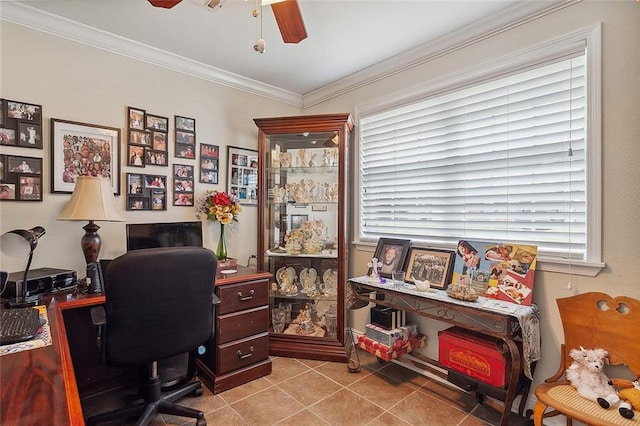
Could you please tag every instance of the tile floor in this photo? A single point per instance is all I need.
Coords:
(308, 392)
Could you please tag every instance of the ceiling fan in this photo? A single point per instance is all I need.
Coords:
(286, 12)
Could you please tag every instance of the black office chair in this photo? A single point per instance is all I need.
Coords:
(160, 302)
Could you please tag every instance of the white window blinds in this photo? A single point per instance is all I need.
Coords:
(503, 160)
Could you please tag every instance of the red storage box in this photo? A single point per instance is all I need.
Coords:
(473, 354)
(387, 353)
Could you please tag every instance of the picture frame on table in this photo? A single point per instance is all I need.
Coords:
(185, 123)
(242, 174)
(433, 265)
(391, 252)
(136, 118)
(79, 149)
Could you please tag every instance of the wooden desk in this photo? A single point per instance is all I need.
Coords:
(39, 387)
(468, 315)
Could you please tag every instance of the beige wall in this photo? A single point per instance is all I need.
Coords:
(77, 82)
(620, 153)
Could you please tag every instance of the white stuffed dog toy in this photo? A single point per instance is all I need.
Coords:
(586, 373)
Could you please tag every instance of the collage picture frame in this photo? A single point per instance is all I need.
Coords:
(20, 178)
(185, 137)
(146, 191)
(82, 149)
(183, 184)
(20, 124)
(242, 174)
(209, 163)
(147, 141)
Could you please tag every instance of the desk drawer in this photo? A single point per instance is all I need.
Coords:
(242, 324)
(242, 353)
(237, 297)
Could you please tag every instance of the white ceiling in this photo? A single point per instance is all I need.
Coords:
(349, 41)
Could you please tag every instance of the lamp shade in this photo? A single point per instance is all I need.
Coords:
(92, 199)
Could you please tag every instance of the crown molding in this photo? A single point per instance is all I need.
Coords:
(46, 22)
(21, 14)
(512, 17)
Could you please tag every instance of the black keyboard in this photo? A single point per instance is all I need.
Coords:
(18, 325)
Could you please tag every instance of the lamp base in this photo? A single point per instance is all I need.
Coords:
(32, 301)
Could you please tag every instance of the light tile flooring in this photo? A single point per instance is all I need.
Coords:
(308, 392)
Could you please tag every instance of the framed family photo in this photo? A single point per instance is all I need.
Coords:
(185, 123)
(391, 253)
(433, 265)
(21, 124)
(81, 149)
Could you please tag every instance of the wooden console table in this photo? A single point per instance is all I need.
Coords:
(509, 324)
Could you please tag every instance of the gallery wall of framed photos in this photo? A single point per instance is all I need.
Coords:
(21, 127)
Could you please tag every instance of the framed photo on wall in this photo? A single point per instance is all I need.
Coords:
(391, 253)
(242, 174)
(436, 266)
(81, 149)
(20, 178)
(209, 163)
(21, 124)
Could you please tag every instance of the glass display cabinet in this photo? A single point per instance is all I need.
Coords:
(303, 230)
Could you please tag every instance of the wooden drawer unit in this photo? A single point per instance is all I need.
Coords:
(241, 324)
(239, 351)
(243, 352)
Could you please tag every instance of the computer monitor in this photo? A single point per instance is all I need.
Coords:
(171, 234)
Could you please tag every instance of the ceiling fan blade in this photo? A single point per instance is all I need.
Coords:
(289, 21)
(167, 4)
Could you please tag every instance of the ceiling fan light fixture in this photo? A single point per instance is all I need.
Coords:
(259, 46)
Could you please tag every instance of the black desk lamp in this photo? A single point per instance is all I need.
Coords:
(92, 200)
(17, 241)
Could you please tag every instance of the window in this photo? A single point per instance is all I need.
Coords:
(499, 158)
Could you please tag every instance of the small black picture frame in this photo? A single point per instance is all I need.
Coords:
(155, 158)
(146, 192)
(185, 123)
(156, 122)
(391, 253)
(29, 135)
(136, 118)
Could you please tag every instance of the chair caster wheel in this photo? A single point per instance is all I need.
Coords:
(201, 422)
(198, 392)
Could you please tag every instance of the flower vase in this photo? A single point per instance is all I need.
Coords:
(221, 251)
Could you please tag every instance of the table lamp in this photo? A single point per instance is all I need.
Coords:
(20, 242)
(92, 200)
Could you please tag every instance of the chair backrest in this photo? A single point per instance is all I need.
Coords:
(158, 303)
(597, 320)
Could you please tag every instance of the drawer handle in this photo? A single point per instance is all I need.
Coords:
(249, 297)
(245, 356)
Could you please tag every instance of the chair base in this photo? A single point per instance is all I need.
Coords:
(154, 405)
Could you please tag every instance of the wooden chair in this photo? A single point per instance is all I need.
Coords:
(592, 320)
